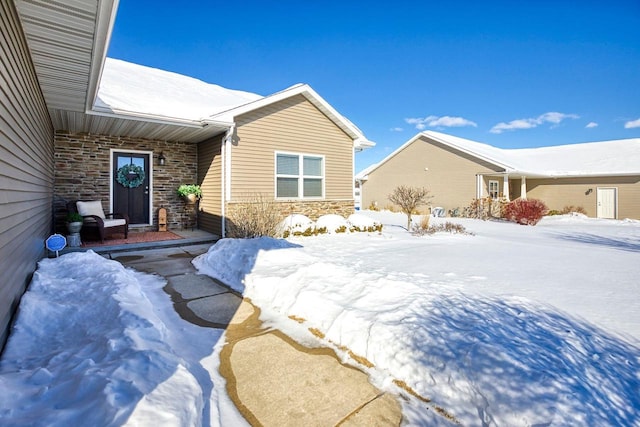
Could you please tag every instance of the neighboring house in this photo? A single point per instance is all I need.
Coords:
(601, 177)
(71, 117)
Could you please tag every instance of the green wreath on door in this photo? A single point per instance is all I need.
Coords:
(130, 176)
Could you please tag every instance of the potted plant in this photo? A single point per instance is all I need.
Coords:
(74, 222)
(190, 192)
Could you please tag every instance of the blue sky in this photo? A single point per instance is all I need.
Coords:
(508, 73)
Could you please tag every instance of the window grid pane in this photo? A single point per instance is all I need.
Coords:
(312, 187)
(287, 165)
(312, 166)
(287, 187)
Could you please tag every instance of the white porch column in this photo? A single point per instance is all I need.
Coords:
(505, 187)
(479, 186)
(523, 188)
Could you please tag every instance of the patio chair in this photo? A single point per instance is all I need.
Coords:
(96, 220)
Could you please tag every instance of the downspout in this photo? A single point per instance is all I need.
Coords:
(226, 175)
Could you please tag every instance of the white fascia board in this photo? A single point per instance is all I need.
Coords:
(105, 19)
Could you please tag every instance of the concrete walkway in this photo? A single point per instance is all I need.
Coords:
(272, 380)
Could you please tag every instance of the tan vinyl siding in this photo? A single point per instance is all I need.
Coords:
(450, 175)
(561, 192)
(210, 179)
(26, 167)
(293, 125)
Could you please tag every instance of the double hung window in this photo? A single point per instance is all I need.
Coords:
(299, 176)
(494, 189)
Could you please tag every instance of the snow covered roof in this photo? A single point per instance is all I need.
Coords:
(605, 158)
(131, 88)
(137, 90)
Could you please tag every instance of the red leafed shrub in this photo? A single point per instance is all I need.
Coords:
(526, 212)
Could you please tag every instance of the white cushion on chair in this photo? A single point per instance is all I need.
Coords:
(91, 208)
(114, 222)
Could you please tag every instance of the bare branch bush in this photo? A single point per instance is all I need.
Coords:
(255, 216)
(409, 198)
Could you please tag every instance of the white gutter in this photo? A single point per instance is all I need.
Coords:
(163, 120)
(105, 19)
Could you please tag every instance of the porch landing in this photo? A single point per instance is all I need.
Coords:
(188, 238)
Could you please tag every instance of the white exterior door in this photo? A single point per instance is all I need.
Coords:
(607, 203)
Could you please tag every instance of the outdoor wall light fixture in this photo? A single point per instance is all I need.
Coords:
(161, 159)
(589, 191)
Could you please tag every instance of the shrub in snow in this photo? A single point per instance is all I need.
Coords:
(256, 216)
(484, 208)
(526, 212)
(447, 227)
(424, 223)
(360, 222)
(332, 223)
(296, 225)
(573, 209)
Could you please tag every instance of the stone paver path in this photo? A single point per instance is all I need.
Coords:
(272, 380)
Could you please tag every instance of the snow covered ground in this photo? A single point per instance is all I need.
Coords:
(512, 326)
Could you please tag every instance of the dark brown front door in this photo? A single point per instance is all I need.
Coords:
(131, 192)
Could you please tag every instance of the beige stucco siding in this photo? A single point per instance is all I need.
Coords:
(561, 192)
(26, 167)
(293, 125)
(449, 175)
(210, 180)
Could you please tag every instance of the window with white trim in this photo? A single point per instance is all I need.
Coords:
(494, 189)
(299, 176)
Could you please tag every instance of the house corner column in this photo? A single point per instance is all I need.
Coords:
(523, 188)
(505, 188)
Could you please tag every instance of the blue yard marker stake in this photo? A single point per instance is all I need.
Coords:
(56, 242)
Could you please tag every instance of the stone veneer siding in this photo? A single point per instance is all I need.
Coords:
(82, 173)
(312, 209)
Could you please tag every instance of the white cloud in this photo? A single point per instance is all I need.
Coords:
(550, 117)
(632, 124)
(396, 129)
(435, 122)
(591, 125)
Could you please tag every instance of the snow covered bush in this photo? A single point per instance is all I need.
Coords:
(332, 223)
(526, 212)
(256, 216)
(297, 225)
(300, 225)
(359, 222)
